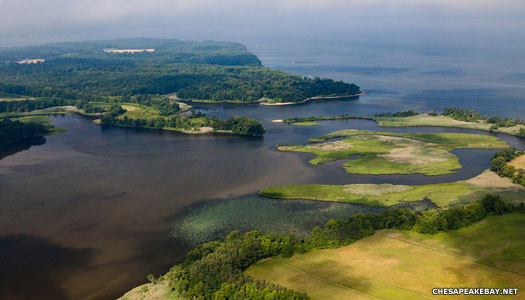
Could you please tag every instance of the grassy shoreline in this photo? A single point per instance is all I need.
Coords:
(313, 99)
(442, 194)
(422, 120)
(264, 101)
(306, 124)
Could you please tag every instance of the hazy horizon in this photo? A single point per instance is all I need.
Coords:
(390, 22)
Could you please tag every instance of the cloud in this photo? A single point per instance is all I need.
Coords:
(41, 15)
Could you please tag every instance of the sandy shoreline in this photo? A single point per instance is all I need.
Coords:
(312, 98)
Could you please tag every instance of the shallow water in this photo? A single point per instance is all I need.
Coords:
(92, 211)
(214, 219)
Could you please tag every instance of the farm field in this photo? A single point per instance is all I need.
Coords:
(406, 265)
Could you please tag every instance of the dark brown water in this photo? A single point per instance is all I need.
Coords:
(90, 213)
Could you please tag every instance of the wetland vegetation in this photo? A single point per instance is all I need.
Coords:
(306, 124)
(451, 117)
(394, 153)
(442, 194)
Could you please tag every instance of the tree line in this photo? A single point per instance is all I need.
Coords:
(166, 51)
(470, 115)
(214, 270)
(15, 131)
(499, 165)
(30, 105)
(201, 82)
(401, 114)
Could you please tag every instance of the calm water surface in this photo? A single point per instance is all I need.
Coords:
(92, 211)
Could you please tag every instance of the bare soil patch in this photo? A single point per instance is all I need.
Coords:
(129, 107)
(128, 50)
(286, 148)
(417, 155)
(518, 162)
(149, 291)
(375, 189)
(205, 129)
(331, 146)
(491, 179)
(31, 61)
(11, 99)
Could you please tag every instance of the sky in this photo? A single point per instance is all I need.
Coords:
(34, 20)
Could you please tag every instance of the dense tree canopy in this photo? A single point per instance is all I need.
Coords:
(216, 71)
(14, 131)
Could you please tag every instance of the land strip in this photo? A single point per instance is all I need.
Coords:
(421, 120)
(443, 194)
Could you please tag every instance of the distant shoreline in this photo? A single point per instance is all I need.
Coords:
(313, 98)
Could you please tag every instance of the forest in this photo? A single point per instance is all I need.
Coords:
(214, 270)
(213, 71)
(15, 131)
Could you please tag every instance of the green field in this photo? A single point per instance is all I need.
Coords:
(394, 153)
(443, 194)
(406, 265)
